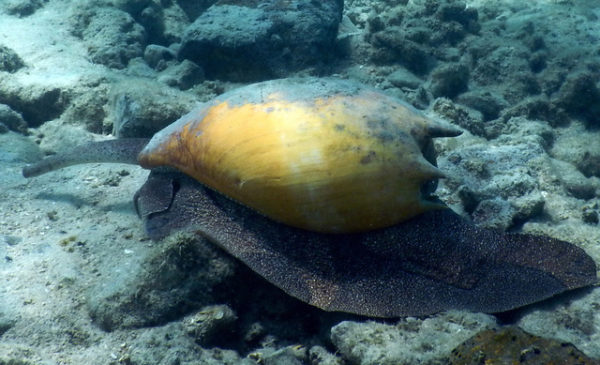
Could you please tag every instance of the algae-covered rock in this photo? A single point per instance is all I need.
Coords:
(278, 37)
(112, 36)
(410, 341)
(511, 345)
(22, 8)
(140, 108)
(12, 120)
(171, 280)
(9, 60)
(36, 102)
(17, 148)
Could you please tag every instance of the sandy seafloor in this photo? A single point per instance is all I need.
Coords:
(73, 231)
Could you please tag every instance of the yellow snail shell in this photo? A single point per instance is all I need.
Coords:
(324, 155)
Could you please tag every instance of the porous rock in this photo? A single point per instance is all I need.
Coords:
(460, 115)
(510, 345)
(173, 23)
(17, 148)
(212, 325)
(170, 345)
(278, 37)
(590, 164)
(410, 341)
(177, 277)
(183, 75)
(10, 60)
(22, 8)
(580, 147)
(289, 355)
(487, 103)
(12, 120)
(459, 12)
(88, 109)
(590, 214)
(193, 8)
(413, 34)
(449, 80)
(140, 108)
(133, 7)
(498, 185)
(157, 56)
(37, 103)
(537, 108)
(579, 95)
(403, 78)
(575, 321)
(502, 64)
(392, 45)
(112, 36)
(318, 355)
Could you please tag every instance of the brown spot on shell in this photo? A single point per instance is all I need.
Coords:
(368, 157)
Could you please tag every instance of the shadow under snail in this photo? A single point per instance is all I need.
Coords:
(323, 187)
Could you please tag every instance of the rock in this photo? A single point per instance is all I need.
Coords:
(458, 12)
(290, 355)
(459, 115)
(416, 34)
(574, 182)
(501, 64)
(486, 102)
(157, 56)
(9, 60)
(183, 75)
(590, 164)
(403, 78)
(510, 345)
(112, 36)
(173, 23)
(58, 136)
(193, 8)
(212, 325)
(498, 184)
(36, 103)
(538, 61)
(580, 96)
(12, 120)
(410, 341)
(174, 279)
(140, 108)
(393, 46)
(449, 80)
(88, 109)
(133, 7)
(574, 321)
(278, 38)
(523, 129)
(590, 214)
(170, 345)
(580, 147)
(22, 8)
(537, 108)
(138, 68)
(5, 323)
(17, 148)
(152, 18)
(318, 355)
(493, 214)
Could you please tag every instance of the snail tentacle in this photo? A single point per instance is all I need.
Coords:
(117, 151)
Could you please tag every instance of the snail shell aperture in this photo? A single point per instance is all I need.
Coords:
(325, 155)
